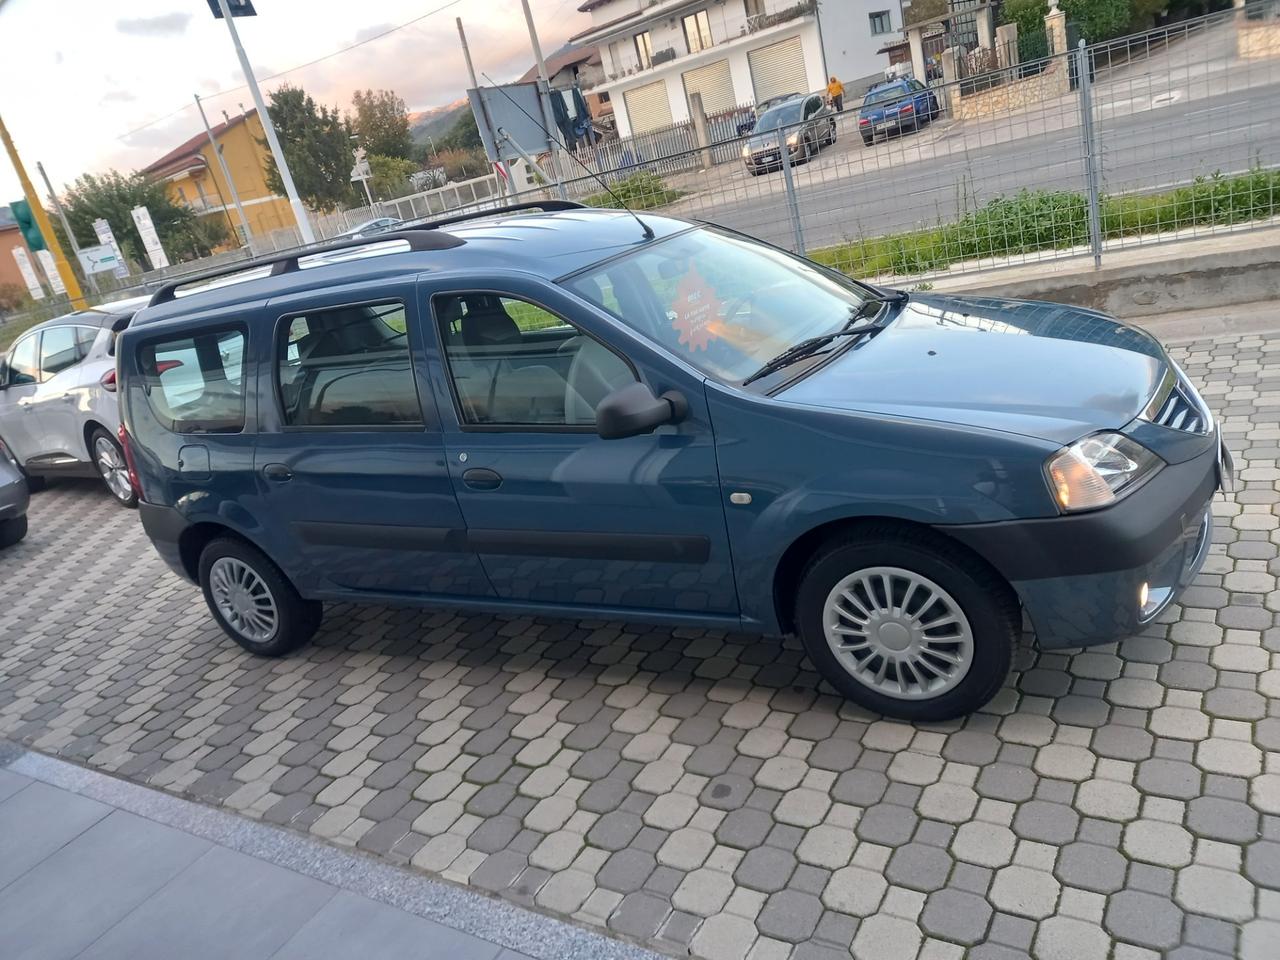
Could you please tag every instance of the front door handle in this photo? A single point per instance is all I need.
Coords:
(482, 478)
(277, 472)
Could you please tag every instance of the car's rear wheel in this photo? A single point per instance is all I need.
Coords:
(12, 530)
(112, 467)
(252, 600)
(831, 134)
(907, 625)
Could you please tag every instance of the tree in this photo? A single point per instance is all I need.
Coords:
(390, 176)
(382, 122)
(463, 135)
(112, 197)
(317, 146)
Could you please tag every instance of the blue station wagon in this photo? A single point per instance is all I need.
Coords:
(896, 107)
(577, 412)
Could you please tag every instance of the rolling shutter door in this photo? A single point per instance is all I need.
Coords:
(648, 107)
(715, 85)
(778, 69)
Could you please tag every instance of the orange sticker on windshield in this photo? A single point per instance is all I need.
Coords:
(696, 308)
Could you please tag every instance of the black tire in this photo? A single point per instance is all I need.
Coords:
(986, 601)
(831, 137)
(297, 619)
(129, 499)
(12, 530)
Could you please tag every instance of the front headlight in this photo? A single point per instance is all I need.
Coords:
(793, 140)
(1098, 470)
(746, 152)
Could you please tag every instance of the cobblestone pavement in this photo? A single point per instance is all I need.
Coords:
(699, 792)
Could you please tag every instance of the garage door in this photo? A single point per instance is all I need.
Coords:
(778, 69)
(715, 85)
(648, 107)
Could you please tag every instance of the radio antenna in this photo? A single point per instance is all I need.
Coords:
(648, 230)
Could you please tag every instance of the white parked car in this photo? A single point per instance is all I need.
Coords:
(59, 415)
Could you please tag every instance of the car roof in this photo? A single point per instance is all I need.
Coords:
(548, 245)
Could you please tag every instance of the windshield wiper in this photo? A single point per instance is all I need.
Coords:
(811, 345)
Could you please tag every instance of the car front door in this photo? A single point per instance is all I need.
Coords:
(62, 353)
(19, 425)
(558, 515)
(349, 455)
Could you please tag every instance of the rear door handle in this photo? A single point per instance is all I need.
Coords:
(482, 478)
(277, 472)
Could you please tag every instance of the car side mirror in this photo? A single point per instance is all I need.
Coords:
(633, 410)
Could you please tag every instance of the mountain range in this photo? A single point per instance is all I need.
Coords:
(436, 121)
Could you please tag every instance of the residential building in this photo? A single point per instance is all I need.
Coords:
(656, 53)
(10, 237)
(576, 66)
(195, 178)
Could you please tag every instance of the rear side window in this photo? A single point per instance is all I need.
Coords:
(63, 347)
(22, 361)
(347, 367)
(196, 384)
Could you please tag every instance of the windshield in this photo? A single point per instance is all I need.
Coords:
(781, 116)
(884, 94)
(723, 303)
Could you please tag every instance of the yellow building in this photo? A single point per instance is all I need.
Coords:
(195, 178)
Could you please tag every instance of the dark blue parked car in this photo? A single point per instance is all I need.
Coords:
(898, 106)
(561, 412)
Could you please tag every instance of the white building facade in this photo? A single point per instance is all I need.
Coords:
(656, 53)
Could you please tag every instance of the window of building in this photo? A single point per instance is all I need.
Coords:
(347, 367)
(755, 8)
(697, 31)
(514, 362)
(195, 384)
(644, 49)
(881, 22)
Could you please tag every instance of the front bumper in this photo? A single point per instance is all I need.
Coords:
(13, 498)
(1080, 577)
(766, 160)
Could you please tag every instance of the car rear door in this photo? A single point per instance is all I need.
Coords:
(19, 425)
(349, 456)
(61, 400)
(558, 515)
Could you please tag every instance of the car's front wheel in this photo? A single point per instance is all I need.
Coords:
(252, 600)
(907, 625)
(12, 530)
(112, 467)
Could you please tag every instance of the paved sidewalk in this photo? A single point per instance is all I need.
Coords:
(94, 867)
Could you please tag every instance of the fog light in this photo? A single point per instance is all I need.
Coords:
(1144, 592)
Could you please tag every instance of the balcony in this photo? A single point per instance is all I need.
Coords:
(764, 21)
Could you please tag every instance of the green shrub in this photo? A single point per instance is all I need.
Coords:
(642, 190)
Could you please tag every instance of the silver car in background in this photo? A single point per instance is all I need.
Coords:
(59, 415)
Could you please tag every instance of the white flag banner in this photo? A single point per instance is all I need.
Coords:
(50, 269)
(28, 273)
(103, 230)
(150, 239)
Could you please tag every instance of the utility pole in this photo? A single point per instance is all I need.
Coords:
(286, 178)
(66, 225)
(544, 97)
(484, 109)
(42, 221)
(226, 172)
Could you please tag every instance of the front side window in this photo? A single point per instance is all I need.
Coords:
(516, 363)
(697, 31)
(881, 22)
(21, 363)
(347, 367)
(721, 302)
(644, 50)
(63, 347)
(195, 384)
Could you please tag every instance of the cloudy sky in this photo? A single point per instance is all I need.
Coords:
(86, 85)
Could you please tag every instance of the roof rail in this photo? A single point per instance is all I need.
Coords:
(419, 236)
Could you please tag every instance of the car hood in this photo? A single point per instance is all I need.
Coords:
(1039, 369)
(763, 141)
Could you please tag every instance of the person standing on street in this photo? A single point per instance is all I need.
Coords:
(835, 91)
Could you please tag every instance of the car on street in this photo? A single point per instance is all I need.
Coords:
(898, 106)
(59, 414)
(554, 410)
(13, 500)
(369, 228)
(801, 126)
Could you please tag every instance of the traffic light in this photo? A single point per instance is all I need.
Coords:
(21, 211)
